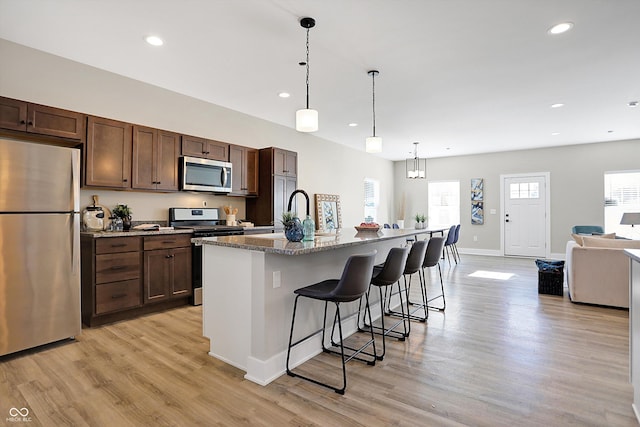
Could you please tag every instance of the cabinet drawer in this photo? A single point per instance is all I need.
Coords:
(167, 241)
(110, 245)
(117, 296)
(117, 267)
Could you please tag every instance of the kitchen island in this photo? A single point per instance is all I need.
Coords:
(634, 327)
(248, 284)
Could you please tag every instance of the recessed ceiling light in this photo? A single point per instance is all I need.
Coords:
(609, 131)
(633, 104)
(154, 40)
(560, 28)
(555, 133)
(352, 125)
(558, 105)
(284, 94)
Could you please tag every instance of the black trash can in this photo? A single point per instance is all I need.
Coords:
(550, 276)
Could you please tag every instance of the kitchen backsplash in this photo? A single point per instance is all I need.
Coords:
(154, 207)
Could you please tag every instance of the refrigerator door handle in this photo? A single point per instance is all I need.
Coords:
(75, 179)
(75, 243)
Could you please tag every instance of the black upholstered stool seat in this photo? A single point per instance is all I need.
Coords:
(413, 265)
(386, 275)
(351, 286)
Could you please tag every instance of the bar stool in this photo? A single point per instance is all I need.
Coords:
(451, 235)
(351, 286)
(455, 242)
(431, 259)
(413, 265)
(385, 275)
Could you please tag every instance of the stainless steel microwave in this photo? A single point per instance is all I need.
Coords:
(205, 175)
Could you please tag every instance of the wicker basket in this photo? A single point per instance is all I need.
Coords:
(550, 282)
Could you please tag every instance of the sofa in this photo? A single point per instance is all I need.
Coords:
(597, 270)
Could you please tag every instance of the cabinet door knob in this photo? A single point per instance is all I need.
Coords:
(22, 122)
(125, 180)
(30, 123)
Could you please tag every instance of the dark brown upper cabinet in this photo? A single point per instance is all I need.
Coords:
(244, 181)
(40, 119)
(285, 162)
(155, 159)
(108, 159)
(205, 148)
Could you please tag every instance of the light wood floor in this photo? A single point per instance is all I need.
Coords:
(501, 355)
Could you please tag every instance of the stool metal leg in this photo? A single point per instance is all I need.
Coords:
(344, 359)
(444, 301)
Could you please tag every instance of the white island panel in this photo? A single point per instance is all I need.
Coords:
(248, 320)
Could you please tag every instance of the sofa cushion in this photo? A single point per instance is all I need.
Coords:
(578, 237)
(599, 242)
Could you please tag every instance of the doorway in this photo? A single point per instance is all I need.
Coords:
(525, 214)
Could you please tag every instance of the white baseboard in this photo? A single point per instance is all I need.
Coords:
(491, 252)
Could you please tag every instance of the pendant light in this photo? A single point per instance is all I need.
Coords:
(373, 143)
(307, 119)
(416, 167)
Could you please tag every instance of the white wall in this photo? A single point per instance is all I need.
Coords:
(324, 167)
(577, 186)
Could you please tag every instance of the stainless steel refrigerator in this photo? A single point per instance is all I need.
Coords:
(39, 244)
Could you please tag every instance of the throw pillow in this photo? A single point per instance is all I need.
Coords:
(578, 238)
(605, 236)
(597, 242)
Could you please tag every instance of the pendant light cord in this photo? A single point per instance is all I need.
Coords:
(307, 81)
(373, 79)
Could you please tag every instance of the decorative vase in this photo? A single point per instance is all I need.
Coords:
(293, 230)
(308, 229)
(126, 222)
(400, 223)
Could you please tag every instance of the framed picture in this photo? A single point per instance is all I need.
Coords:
(477, 189)
(477, 212)
(328, 212)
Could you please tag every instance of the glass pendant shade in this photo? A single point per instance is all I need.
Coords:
(373, 144)
(307, 120)
(416, 167)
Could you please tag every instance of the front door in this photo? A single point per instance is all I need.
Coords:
(525, 215)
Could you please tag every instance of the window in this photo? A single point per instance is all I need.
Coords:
(524, 190)
(621, 194)
(444, 203)
(371, 199)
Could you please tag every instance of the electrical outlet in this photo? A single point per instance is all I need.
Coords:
(475, 238)
(276, 279)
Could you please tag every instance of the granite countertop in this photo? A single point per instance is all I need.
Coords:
(278, 244)
(100, 234)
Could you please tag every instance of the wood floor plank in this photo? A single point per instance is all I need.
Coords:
(499, 355)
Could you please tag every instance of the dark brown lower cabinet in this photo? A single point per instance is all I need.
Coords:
(124, 277)
(167, 273)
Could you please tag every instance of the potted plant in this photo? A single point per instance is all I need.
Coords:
(124, 212)
(419, 224)
(293, 230)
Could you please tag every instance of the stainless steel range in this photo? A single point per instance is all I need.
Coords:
(205, 222)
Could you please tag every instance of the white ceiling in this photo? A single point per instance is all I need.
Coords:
(459, 76)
